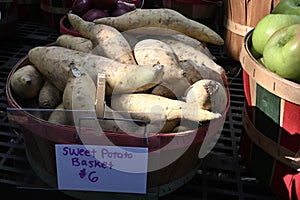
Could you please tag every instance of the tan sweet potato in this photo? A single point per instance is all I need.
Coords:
(131, 38)
(207, 67)
(151, 108)
(155, 51)
(107, 41)
(60, 116)
(120, 77)
(180, 129)
(165, 18)
(76, 43)
(169, 36)
(185, 125)
(207, 94)
(182, 40)
(49, 96)
(130, 125)
(26, 82)
(166, 35)
(191, 72)
(80, 97)
(176, 76)
(200, 46)
(176, 89)
(167, 90)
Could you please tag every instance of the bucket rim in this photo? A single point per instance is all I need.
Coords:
(283, 88)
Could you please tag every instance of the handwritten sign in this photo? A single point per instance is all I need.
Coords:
(101, 168)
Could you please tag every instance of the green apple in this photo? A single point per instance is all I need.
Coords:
(267, 26)
(261, 61)
(287, 7)
(282, 53)
(254, 53)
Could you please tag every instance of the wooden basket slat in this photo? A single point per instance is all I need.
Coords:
(241, 16)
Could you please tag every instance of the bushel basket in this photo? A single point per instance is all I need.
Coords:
(40, 138)
(270, 146)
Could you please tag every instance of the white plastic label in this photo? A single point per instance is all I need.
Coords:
(101, 168)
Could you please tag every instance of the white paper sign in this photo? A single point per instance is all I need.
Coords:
(101, 168)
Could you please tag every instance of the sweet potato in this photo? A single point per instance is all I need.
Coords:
(176, 89)
(200, 46)
(166, 35)
(177, 76)
(207, 67)
(154, 51)
(80, 97)
(163, 17)
(207, 94)
(123, 122)
(151, 108)
(107, 41)
(131, 38)
(185, 39)
(185, 125)
(159, 33)
(26, 82)
(181, 40)
(191, 72)
(60, 116)
(167, 90)
(74, 42)
(171, 37)
(180, 129)
(120, 77)
(144, 31)
(49, 96)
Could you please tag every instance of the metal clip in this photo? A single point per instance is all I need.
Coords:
(75, 71)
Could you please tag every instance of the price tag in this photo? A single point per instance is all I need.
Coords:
(101, 168)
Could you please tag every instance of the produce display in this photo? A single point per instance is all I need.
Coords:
(163, 73)
(275, 40)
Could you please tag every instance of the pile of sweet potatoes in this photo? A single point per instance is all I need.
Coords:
(160, 74)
